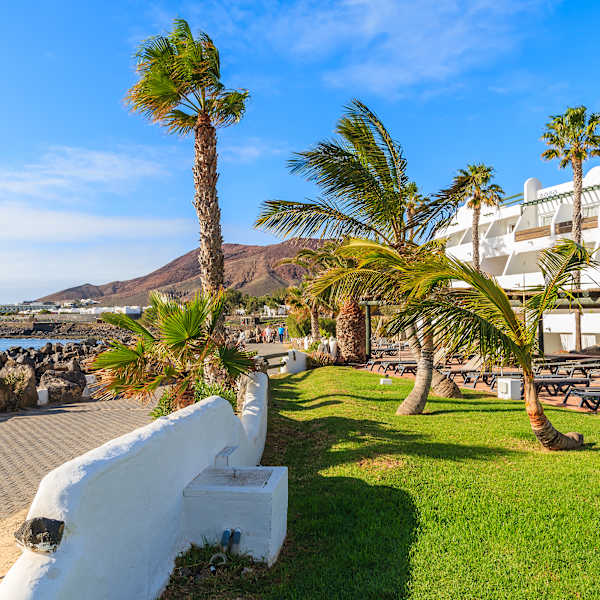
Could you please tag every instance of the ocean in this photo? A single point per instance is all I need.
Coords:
(6, 343)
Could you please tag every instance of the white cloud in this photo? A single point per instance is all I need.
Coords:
(385, 46)
(250, 150)
(64, 170)
(23, 222)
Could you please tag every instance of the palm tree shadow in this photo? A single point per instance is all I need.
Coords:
(356, 535)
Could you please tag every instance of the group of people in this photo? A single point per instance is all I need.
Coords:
(272, 334)
(268, 335)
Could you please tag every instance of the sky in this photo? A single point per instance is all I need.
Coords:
(91, 192)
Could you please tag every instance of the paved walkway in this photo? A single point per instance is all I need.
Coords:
(34, 442)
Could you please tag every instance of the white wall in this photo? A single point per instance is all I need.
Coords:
(295, 362)
(122, 503)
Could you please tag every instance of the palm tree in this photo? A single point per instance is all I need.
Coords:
(174, 349)
(474, 186)
(572, 138)
(368, 273)
(180, 87)
(480, 318)
(362, 175)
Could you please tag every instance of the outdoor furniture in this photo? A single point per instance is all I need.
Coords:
(557, 384)
(406, 366)
(589, 397)
(466, 371)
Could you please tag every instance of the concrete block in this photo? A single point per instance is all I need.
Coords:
(509, 388)
(252, 499)
(42, 396)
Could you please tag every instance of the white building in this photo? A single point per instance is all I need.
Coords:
(512, 236)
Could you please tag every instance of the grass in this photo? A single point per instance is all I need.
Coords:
(459, 503)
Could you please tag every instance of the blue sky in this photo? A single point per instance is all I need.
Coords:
(91, 193)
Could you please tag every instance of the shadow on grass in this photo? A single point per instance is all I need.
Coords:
(346, 538)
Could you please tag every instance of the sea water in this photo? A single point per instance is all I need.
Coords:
(6, 343)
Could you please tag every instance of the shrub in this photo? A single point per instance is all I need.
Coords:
(327, 327)
(319, 359)
(297, 328)
(166, 404)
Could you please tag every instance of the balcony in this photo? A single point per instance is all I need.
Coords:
(532, 233)
(559, 229)
(586, 223)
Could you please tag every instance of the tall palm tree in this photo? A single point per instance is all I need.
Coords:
(473, 185)
(572, 138)
(362, 175)
(180, 88)
(173, 349)
(478, 318)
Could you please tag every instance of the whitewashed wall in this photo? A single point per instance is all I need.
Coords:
(122, 503)
(295, 362)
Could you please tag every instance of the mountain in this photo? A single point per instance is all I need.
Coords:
(251, 269)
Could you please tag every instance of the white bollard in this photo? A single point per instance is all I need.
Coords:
(42, 396)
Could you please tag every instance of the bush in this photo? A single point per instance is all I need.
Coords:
(166, 404)
(319, 359)
(327, 327)
(297, 328)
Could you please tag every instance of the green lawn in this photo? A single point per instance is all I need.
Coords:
(458, 503)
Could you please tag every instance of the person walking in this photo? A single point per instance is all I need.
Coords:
(281, 332)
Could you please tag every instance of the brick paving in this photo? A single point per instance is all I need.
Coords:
(34, 442)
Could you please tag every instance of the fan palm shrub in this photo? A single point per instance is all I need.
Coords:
(175, 349)
(180, 88)
(474, 186)
(572, 138)
(480, 317)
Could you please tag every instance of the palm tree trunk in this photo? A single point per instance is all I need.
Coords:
(414, 403)
(544, 431)
(350, 332)
(576, 232)
(206, 203)
(475, 232)
(314, 322)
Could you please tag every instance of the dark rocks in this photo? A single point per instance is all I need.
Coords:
(56, 367)
(63, 386)
(17, 386)
(40, 534)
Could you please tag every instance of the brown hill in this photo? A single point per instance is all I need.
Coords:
(250, 269)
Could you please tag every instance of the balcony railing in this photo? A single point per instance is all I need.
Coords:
(586, 223)
(559, 228)
(531, 234)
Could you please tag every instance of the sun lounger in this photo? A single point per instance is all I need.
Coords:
(589, 397)
(555, 385)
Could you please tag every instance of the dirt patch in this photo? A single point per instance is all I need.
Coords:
(385, 462)
(9, 552)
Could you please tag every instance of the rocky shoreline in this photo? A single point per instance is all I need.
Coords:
(100, 331)
(56, 367)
